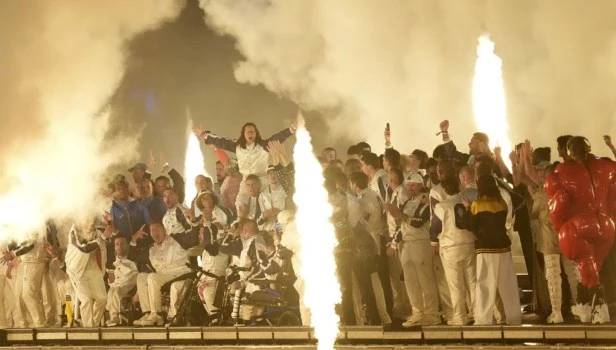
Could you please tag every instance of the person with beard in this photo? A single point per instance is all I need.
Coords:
(154, 204)
(478, 146)
(163, 182)
(250, 149)
(487, 219)
(583, 207)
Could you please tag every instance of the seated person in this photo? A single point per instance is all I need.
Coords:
(122, 280)
(169, 262)
(214, 262)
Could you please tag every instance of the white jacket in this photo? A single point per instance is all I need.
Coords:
(77, 258)
(169, 257)
(449, 214)
(398, 197)
(125, 273)
(272, 199)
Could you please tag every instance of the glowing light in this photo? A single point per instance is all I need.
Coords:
(489, 104)
(318, 240)
(194, 162)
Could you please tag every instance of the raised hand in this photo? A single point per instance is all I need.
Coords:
(444, 126)
(139, 234)
(166, 167)
(498, 152)
(199, 132)
(608, 141)
(387, 135)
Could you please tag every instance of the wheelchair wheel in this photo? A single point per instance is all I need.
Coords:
(289, 318)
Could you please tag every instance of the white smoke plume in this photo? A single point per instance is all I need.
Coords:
(60, 61)
(410, 62)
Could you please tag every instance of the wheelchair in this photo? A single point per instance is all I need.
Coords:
(267, 306)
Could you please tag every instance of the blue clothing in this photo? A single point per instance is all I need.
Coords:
(128, 217)
(156, 207)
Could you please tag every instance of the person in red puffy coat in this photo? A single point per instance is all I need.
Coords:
(582, 205)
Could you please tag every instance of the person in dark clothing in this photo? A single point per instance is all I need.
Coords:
(163, 182)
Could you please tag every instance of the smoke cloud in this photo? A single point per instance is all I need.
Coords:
(363, 63)
(60, 61)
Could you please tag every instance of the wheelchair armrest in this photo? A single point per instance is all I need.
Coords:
(165, 288)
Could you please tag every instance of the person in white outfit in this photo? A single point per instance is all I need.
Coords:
(251, 150)
(169, 261)
(457, 250)
(213, 261)
(272, 200)
(29, 278)
(86, 257)
(290, 247)
(437, 193)
(122, 280)
(412, 243)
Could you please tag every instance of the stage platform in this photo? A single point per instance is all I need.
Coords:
(572, 336)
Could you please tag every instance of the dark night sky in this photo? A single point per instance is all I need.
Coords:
(184, 63)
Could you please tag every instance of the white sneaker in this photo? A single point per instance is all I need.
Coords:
(555, 317)
(153, 319)
(413, 321)
(582, 311)
(140, 321)
(600, 314)
(113, 322)
(431, 320)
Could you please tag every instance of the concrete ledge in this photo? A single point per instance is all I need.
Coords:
(255, 333)
(526, 332)
(185, 333)
(291, 333)
(117, 334)
(18, 335)
(83, 334)
(364, 333)
(219, 333)
(415, 335)
(46, 334)
(483, 332)
(564, 332)
(601, 332)
(442, 333)
(150, 333)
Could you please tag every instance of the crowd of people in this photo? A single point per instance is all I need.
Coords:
(422, 240)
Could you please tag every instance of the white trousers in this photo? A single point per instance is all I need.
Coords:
(379, 296)
(416, 261)
(460, 272)
(148, 289)
(114, 298)
(442, 286)
(401, 307)
(92, 295)
(29, 282)
(176, 289)
(7, 301)
(495, 273)
(304, 311)
(50, 300)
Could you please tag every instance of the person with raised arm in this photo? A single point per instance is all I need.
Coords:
(251, 150)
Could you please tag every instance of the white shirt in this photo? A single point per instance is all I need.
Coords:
(214, 264)
(410, 233)
(252, 203)
(272, 199)
(252, 160)
(448, 212)
(171, 222)
(398, 197)
(169, 257)
(125, 273)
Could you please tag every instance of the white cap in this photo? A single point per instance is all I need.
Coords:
(414, 179)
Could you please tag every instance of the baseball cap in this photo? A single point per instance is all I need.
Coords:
(141, 166)
(414, 179)
(270, 168)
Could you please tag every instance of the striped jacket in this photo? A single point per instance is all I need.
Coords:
(487, 219)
